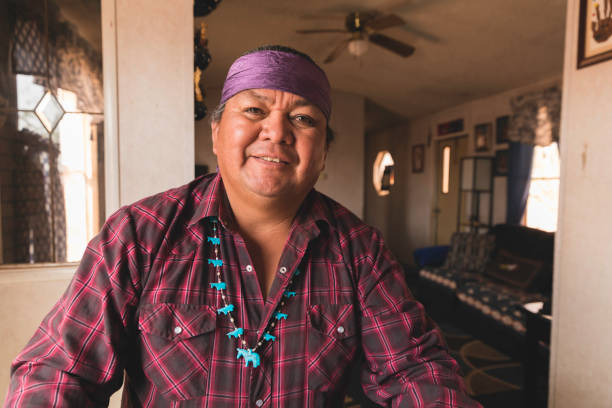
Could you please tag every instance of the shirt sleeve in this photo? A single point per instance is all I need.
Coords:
(74, 358)
(407, 360)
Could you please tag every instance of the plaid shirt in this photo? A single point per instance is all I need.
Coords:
(141, 301)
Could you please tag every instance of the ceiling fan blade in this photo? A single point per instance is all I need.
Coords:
(398, 47)
(384, 21)
(337, 51)
(420, 33)
(331, 30)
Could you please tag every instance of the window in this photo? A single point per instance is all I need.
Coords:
(383, 173)
(51, 130)
(543, 200)
(446, 155)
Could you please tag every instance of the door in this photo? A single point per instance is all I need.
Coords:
(448, 161)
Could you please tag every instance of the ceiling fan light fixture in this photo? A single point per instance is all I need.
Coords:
(357, 47)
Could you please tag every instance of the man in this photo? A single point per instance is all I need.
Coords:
(245, 287)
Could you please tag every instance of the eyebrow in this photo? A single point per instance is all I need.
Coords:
(299, 102)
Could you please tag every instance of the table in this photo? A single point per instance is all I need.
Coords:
(536, 357)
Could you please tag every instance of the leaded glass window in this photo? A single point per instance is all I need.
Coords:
(51, 129)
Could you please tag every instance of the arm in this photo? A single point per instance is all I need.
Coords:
(74, 358)
(408, 364)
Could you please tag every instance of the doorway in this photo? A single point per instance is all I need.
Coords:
(448, 160)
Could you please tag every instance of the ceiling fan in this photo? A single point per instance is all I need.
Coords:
(364, 27)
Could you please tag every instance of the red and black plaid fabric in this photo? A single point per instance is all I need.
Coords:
(141, 301)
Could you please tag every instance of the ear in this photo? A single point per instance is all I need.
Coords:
(214, 127)
(324, 158)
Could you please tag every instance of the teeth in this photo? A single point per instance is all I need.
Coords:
(271, 159)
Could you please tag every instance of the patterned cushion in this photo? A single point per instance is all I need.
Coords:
(449, 278)
(470, 251)
(456, 256)
(482, 249)
(498, 301)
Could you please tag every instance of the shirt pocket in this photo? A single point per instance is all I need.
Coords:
(332, 344)
(176, 341)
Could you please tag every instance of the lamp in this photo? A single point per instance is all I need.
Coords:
(358, 46)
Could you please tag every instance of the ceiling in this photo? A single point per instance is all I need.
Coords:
(464, 49)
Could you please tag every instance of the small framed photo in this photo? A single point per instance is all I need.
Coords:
(501, 162)
(450, 127)
(418, 158)
(594, 35)
(483, 134)
(501, 129)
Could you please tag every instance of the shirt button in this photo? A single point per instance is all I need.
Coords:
(249, 268)
(178, 330)
(283, 270)
(259, 403)
(340, 329)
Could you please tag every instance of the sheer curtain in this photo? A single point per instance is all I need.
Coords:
(535, 121)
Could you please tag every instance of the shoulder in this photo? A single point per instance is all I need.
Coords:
(159, 211)
(351, 231)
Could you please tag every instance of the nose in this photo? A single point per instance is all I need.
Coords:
(277, 128)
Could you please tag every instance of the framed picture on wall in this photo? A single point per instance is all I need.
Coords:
(501, 162)
(418, 158)
(450, 127)
(483, 133)
(501, 129)
(594, 32)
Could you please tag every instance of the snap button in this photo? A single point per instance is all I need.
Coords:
(249, 268)
(283, 270)
(340, 329)
(259, 403)
(178, 330)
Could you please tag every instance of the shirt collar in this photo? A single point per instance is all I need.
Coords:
(207, 199)
(211, 201)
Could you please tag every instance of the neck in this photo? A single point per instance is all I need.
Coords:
(259, 216)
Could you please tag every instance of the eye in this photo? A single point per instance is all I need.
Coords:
(304, 120)
(253, 110)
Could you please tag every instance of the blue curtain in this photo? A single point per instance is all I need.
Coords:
(519, 175)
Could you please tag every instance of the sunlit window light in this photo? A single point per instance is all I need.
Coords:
(75, 167)
(543, 201)
(384, 161)
(446, 155)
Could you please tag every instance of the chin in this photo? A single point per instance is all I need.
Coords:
(278, 190)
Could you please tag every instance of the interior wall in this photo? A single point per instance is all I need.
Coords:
(406, 215)
(155, 97)
(386, 212)
(26, 295)
(582, 328)
(342, 178)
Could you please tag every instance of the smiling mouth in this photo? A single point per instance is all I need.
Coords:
(271, 159)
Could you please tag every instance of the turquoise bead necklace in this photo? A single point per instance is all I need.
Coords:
(248, 354)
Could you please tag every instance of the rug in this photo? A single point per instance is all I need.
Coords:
(491, 377)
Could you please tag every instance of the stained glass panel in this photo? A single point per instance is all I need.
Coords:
(51, 129)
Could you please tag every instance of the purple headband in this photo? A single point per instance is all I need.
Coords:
(279, 70)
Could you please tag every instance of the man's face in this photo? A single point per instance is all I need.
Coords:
(270, 143)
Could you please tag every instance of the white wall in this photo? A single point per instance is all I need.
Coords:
(148, 71)
(582, 328)
(148, 65)
(26, 295)
(342, 178)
